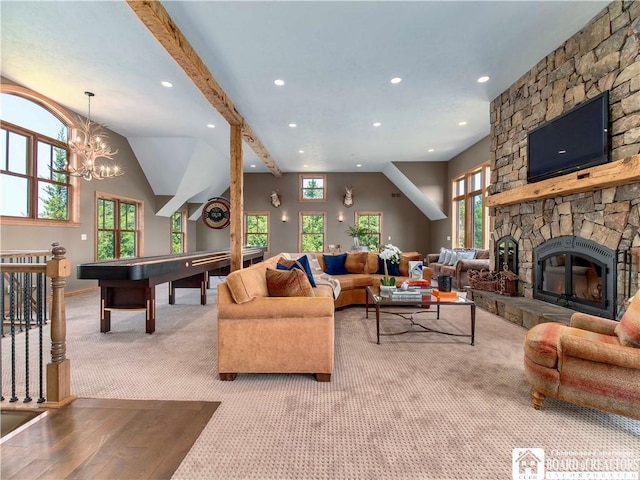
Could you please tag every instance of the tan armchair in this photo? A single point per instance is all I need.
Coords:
(594, 362)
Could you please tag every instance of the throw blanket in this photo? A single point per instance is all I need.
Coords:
(326, 279)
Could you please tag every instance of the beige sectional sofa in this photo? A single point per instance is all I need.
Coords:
(459, 269)
(258, 333)
(262, 334)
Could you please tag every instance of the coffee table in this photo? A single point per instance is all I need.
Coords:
(418, 305)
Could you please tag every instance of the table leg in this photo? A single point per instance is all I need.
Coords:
(378, 322)
(473, 323)
(105, 315)
(366, 303)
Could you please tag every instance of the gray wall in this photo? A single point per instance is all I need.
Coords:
(472, 157)
(402, 221)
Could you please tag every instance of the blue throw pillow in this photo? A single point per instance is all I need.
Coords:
(302, 263)
(392, 268)
(335, 264)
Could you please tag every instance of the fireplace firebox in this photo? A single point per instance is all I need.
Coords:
(576, 273)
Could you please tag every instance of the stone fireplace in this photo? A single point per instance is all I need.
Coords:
(604, 55)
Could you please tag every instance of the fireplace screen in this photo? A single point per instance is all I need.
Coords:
(571, 274)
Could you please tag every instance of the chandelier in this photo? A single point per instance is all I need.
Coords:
(89, 145)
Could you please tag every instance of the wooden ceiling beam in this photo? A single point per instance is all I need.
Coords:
(154, 16)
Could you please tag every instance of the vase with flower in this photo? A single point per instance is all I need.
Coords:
(389, 254)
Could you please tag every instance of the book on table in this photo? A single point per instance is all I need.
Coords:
(444, 295)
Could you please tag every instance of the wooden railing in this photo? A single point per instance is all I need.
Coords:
(57, 269)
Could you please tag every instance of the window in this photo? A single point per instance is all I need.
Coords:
(117, 225)
(471, 218)
(33, 143)
(178, 231)
(312, 231)
(256, 229)
(371, 224)
(313, 188)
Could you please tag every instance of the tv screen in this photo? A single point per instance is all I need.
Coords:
(575, 140)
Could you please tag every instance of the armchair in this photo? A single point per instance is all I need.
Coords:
(594, 362)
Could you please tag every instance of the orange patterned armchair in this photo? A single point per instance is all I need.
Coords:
(594, 362)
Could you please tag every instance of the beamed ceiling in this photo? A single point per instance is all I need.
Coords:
(336, 59)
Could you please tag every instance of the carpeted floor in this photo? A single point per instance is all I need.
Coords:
(419, 406)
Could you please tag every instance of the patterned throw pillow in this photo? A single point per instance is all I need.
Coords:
(335, 264)
(302, 263)
(288, 283)
(628, 330)
(356, 262)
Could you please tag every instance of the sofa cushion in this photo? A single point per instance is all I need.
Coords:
(356, 262)
(628, 330)
(302, 263)
(355, 280)
(372, 263)
(288, 283)
(405, 258)
(334, 264)
(248, 283)
(443, 255)
(392, 268)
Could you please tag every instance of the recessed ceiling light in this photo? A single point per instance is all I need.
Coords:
(166, 84)
(211, 125)
(358, 165)
(377, 124)
(253, 166)
(431, 150)
(300, 151)
(483, 79)
(396, 80)
(279, 82)
(293, 125)
(462, 124)
(305, 165)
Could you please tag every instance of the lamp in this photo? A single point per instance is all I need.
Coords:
(340, 217)
(89, 145)
(283, 217)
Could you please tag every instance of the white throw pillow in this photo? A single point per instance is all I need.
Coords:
(453, 258)
(447, 256)
(443, 252)
(466, 254)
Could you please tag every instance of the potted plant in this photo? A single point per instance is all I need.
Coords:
(356, 232)
(390, 254)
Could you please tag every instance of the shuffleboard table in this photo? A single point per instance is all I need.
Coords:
(130, 284)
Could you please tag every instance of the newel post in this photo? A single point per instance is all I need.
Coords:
(59, 370)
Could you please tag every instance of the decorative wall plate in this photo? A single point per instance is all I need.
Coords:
(216, 213)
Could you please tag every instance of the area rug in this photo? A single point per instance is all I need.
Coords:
(417, 406)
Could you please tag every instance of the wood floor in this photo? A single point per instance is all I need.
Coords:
(106, 439)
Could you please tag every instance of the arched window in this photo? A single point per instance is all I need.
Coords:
(33, 145)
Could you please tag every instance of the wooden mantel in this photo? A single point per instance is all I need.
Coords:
(612, 174)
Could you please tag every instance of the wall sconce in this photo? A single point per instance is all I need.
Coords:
(340, 217)
(283, 217)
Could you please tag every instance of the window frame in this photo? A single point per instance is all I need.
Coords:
(301, 233)
(312, 176)
(268, 232)
(139, 230)
(372, 213)
(73, 183)
(466, 199)
(182, 232)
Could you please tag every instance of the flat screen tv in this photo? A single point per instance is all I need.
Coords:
(575, 140)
